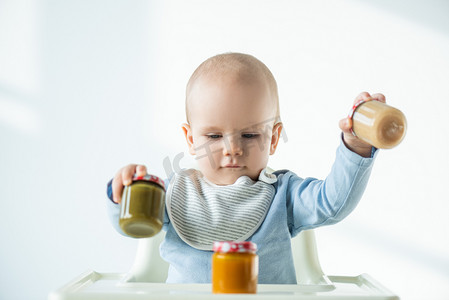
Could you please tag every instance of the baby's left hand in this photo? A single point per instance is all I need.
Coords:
(353, 143)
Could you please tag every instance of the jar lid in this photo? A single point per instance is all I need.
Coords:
(354, 108)
(150, 178)
(231, 246)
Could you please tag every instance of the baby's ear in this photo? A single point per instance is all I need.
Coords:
(189, 137)
(276, 135)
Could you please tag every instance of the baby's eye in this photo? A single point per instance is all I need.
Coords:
(250, 135)
(214, 136)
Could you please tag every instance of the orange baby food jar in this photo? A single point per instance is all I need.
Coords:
(235, 268)
(142, 207)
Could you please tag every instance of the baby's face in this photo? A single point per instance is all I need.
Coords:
(231, 128)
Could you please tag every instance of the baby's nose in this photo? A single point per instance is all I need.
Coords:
(232, 146)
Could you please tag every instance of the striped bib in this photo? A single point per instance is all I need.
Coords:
(202, 212)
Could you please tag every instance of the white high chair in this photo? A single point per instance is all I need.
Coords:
(146, 280)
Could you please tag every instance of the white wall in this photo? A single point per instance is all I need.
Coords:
(88, 86)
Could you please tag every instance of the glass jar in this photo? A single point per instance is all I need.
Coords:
(235, 267)
(142, 207)
(378, 124)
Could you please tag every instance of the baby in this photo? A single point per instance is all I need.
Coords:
(233, 126)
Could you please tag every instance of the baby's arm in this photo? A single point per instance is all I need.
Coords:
(312, 202)
(353, 143)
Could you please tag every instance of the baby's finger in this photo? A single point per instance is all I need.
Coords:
(127, 174)
(141, 170)
(117, 188)
(345, 125)
(379, 97)
(363, 96)
(124, 177)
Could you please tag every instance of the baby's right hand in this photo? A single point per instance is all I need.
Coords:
(124, 177)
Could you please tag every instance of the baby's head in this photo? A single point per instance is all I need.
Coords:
(233, 121)
(237, 68)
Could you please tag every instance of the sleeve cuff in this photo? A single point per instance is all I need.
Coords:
(354, 157)
(373, 151)
(109, 191)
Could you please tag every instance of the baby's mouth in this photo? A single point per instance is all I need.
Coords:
(232, 166)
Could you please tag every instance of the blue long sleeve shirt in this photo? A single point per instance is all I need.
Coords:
(298, 204)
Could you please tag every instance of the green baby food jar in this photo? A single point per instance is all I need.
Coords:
(142, 207)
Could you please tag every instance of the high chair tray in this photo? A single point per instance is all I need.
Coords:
(92, 285)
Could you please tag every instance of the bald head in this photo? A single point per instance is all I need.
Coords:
(237, 67)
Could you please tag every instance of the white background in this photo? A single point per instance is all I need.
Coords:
(89, 86)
